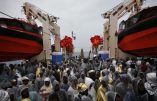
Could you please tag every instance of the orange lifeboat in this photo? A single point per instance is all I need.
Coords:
(139, 37)
(19, 40)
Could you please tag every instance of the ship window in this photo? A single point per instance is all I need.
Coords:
(122, 25)
(131, 21)
(13, 24)
(30, 28)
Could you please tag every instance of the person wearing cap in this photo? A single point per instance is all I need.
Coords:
(92, 74)
(46, 89)
(25, 83)
(25, 80)
(83, 93)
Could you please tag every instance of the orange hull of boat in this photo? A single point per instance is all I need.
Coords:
(16, 45)
(143, 43)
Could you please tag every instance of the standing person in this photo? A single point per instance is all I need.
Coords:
(46, 89)
(27, 95)
(113, 96)
(125, 89)
(83, 93)
(72, 91)
(103, 89)
(54, 97)
(151, 85)
(39, 82)
(140, 91)
(4, 96)
(32, 80)
(61, 93)
(82, 78)
(90, 85)
(25, 83)
(24, 95)
(65, 84)
(13, 91)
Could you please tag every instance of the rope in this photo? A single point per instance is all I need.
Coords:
(6, 14)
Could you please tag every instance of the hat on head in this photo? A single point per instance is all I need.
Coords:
(25, 78)
(46, 79)
(151, 78)
(13, 80)
(82, 87)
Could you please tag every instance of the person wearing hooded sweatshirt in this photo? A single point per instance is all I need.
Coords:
(46, 89)
(24, 95)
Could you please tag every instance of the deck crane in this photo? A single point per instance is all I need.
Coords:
(49, 24)
(110, 26)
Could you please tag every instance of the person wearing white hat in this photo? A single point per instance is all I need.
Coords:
(25, 83)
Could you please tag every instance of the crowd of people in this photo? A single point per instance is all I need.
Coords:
(78, 79)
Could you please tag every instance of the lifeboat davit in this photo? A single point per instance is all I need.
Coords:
(139, 36)
(19, 40)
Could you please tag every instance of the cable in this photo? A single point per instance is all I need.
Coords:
(6, 14)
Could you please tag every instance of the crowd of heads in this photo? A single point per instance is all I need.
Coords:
(77, 79)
